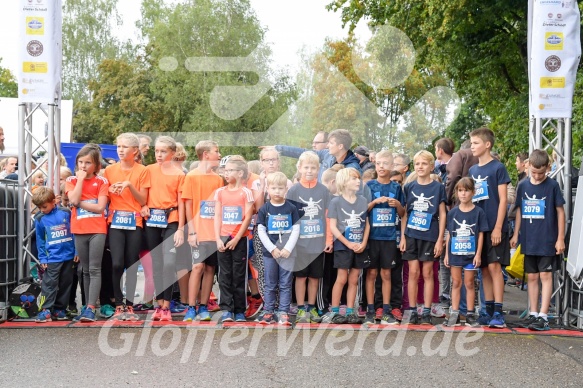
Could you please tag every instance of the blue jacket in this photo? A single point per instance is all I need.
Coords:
(54, 239)
(326, 160)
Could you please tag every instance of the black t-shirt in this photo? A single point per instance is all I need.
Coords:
(311, 203)
(351, 219)
(463, 229)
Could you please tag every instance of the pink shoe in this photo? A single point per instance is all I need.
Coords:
(165, 315)
(213, 306)
(157, 314)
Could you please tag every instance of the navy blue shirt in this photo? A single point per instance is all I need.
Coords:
(382, 217)
(539, 224)
(464, 229)
(487, 179)
(422, 204)
(351, 219)
(279, 221)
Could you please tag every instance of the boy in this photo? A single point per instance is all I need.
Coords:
(383, 210)
(540, 219)
(278, 229)
(56, 251)
(311, 198)
(423, 227)
(491, 179)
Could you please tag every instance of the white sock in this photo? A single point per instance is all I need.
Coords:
(534, 314)
(543, 316)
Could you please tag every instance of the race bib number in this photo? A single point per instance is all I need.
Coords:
(311, 228)
(232, 215)
(463, 246)
(383, 217)
(533, 208)
(82, 213)
(157, 218)
(58, 234)
(253, 222)
(354, 235)
(207, 209)
(419, 221)
(279, 223)
(481, 191)
(123, 220)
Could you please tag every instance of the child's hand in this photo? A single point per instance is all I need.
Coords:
(58, 198)
(446, 261)
(513, 242)
(276, 253)
(560, 245)
(285, 253)
(477, 261)
(220, 245)
(179, 237)
(438, 249)
(393, 202)
(44, 266)
(145, 211)
(231, 245)
(403, 245)
(193, 240)
(80, 174)
(329, 248)
(496, 236)
(76, 259)
(358, 248)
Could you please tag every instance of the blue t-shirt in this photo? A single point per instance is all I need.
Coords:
(382, 217)
(464, 229)
(539, 227)
(279, 221)
(422, 203)
(487, 179)
(350, 219)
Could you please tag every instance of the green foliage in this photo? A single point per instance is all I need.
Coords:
(8, 85)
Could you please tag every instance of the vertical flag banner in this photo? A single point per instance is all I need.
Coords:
(40, 46)
(554, 55)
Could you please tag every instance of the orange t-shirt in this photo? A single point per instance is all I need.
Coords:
(84, 222)
(139, 176)
(200, 188)
(233, 204)
(164, 194)
(251, 179)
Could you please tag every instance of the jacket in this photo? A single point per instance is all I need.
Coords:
(458, 167)
(326, 160)
(54, 240)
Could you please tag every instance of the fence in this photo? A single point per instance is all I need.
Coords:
(8, 242)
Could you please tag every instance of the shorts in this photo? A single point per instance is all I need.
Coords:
(314, 270)
(382, 253)
(419, 250)
(348, 259)
(495, 254)
(206, 252)
(537, 264)
(183, 257)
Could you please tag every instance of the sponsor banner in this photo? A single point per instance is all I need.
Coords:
(40, 46)
(554, 57)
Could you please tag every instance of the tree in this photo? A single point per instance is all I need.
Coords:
(8, 85)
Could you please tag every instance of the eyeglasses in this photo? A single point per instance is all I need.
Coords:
(384, 164)
(269, 160)
(230, 171)
(399, 164)
(319, 142)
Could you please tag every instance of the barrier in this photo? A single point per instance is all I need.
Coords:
(8, 243)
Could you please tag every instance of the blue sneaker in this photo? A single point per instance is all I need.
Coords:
(497, 321)
(59, 315)
(78, 317)
(88, 315)
(177, 307)
(43, 316)
(240, 317)
(106, 311)
(203, 313)
(484, 319)
(190, 314)
(227, 316)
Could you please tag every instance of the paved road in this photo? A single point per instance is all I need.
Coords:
(178, 356)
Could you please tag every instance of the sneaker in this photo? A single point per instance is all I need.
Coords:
(330, 316)
(88, 315)
(453, 320)
(361, 312)
(397, 314)
(106, 311)
(293, 309)
(177, 307)
(302, 316)
(203, 314)
(227, 316)
(157, 314)
(59, 315)
(528, 321)
(78, 317)
(240, 317)
(190, 314)
(284, 319)
(213, 306)
(444, 302)
(119, 314)
(130, 315)
(410, 317)
(497, 321)
(340, 319)
(143, 307)
(254, 306)
(437, 310)
(472, 321)
(420, 309)
(266, 318)
(165, 315)
(314, 315)
(353, 319)
(425, 319)
(72, 312)
(378, 314)
(484, 319)
(389, 319)
(43, 316)
(369, 318)
(540, 324)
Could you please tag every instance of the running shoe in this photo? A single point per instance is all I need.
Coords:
(240, 317)
(484, 319)
(166, 315)
(43, 316)
(284, 319)
(302, 316)
(78, 317)
(379, 314)
(266, 318)
(314, 315)
(190, 314)
(528, 321)
(369, 318)
(453, 320)
(130, 315)
(410, 317)
(497, 321)
(157, 314)
(540, 324)
(425, 319)
(59, 315)
(203, 314)
(72, 312)
(437, 310)
(293, 309)
(106, 311)
(119, 314)
(143, 307)
(353, 319)
(227, 316)
(213, 306)
(472, 321)
(389, 319)
(361, 312)
(254, 306)
(177, 307)
(340, 319)
(327, 318)
(397, 314)
(88, 315)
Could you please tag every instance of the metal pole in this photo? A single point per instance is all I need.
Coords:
(51, 153)
(21, 215)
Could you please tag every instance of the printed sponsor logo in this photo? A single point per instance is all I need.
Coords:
(554, 41)
(34, 48)
(553, 63)
(35, 67)
(552, 82)
(35, 25)
(33, 81)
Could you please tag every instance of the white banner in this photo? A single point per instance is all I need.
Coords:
(40, 46)
(555, 54)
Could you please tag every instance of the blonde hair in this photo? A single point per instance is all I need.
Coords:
(241, 164)
(43, 195)
(65, 172)
(266, 150)
(384, 154)
(132, 141)
(344, 176)
(435, 177)
(276, 179)
(369, 174)
(425, 155)
(412, 177)
(204, 145)
(254, 166)
(180, 155)
(39, 173)
(167, 141)
(329, 175)
(308, 157)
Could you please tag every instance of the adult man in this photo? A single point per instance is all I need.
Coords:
(9, 167)
(2, 147)
(458, 167)
(443, 152)
(401, 164)
(361, 152)
(320, 141)
(145, 141)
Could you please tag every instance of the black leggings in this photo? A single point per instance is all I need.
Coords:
(125, 253)
(161, 246)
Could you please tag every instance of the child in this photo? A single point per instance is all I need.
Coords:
(383, 210)
(491, 179)
(88, 194)
(233, 212)
(38, 180)
(350, 226)
(56, 251)
(278, 229)
(311, 199)
(423, 227)
(540, 219)
(466, 224)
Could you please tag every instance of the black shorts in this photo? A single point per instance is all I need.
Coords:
(537, 264)
(206, 252)
(348, 259)
(313, 270)
(382, 253)
(495, 254)
(419, 250)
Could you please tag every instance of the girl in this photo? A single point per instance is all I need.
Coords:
(128, 192)
(165, 224)
(466, 224)
(87, 193)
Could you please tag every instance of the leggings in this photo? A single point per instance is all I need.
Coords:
(125, 254)
(161, 246)
(90, 250)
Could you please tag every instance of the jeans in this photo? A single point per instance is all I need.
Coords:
(276, 276)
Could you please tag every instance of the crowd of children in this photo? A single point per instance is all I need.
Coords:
(327, 239)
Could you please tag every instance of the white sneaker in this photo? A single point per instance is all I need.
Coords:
(437, 310)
